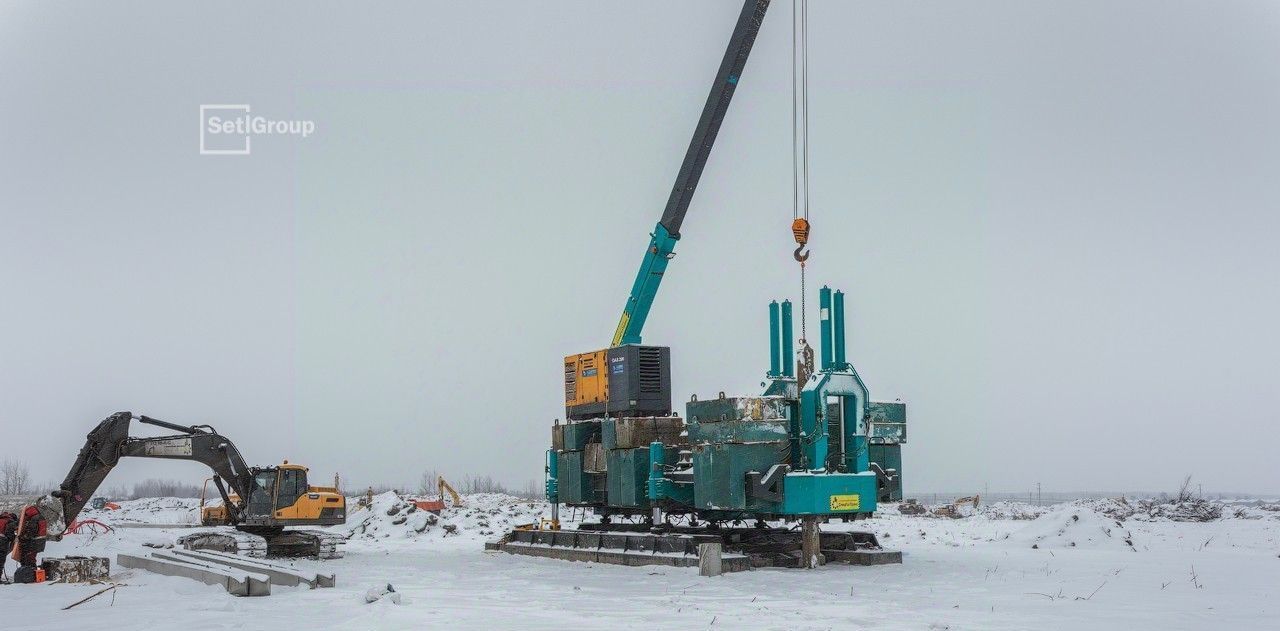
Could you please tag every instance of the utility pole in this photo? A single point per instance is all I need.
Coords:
(1038, 501)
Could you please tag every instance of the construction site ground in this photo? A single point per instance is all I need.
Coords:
(1002, 567)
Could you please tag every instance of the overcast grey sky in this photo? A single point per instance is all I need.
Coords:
(1056, 221)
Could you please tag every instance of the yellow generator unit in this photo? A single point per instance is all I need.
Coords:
(626, 380)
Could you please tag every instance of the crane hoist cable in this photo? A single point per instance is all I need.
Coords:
(800, 144)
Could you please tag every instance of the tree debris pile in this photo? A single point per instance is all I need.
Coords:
(1192, 509)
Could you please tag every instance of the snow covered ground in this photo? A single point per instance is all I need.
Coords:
(1003, 567)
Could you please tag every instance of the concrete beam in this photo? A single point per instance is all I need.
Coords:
(864, 557)
(613, 556)
(282, 575)
(236, 582)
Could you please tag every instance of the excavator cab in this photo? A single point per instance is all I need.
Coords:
(281, 496)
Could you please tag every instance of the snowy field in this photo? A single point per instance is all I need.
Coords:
(1008, 566)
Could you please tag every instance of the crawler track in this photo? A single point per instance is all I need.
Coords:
(317, 544)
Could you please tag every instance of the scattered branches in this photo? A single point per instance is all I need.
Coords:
(109, 588)
(1184, 491)
(1090, 596)
(1049, 596)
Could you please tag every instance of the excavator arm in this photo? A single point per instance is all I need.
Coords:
(110, 441)
(445, 486)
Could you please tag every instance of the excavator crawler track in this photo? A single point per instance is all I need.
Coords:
(317, 544)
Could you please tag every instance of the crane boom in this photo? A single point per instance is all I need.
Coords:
(662, 242)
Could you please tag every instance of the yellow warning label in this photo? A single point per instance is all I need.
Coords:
(846, 502)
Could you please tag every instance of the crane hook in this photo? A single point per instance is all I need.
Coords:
(800, 228)
(800, 256)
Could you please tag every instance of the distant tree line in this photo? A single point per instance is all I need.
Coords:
(152, 488)
(15, 478)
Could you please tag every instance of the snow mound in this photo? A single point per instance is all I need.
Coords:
(1017, 511)
(1261, 511)
(1117, 508)
(482, 516)
(1073, 526)
(150, 510)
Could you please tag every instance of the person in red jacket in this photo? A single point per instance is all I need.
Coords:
(32, 529)
(8, 536)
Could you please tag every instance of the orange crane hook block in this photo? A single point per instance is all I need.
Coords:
(800, 228)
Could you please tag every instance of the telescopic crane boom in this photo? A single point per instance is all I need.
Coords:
(662, 242)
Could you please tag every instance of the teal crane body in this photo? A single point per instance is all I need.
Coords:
(798, 449)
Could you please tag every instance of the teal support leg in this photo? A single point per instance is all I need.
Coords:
(553, 473)
(775, 340)
(857, 448)
(838, 341)
(788, 335)
(813, 425)
(655, 471)
(553, 487)
(824, 304)
(861, 457)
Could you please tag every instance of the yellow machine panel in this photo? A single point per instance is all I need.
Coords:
(292, 500)
(586, 378)
(311, 505)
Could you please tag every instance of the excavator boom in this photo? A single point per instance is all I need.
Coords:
(445, 486)
(107, 443)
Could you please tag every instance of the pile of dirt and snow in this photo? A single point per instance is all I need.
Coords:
(151, 510)
(909, 507)
(1017, 511)
(1073, 526)
(1194, 509)
(481, 516)
(1117, 508)
(1002, 510)
(1256, 511)
(1166, 509)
